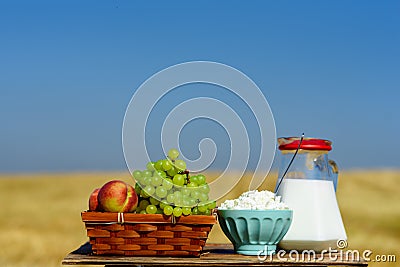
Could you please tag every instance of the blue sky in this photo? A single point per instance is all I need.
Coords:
(69, 68)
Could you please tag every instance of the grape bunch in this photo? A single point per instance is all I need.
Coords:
(167, 187)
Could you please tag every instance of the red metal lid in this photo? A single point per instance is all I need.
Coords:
(291, 143)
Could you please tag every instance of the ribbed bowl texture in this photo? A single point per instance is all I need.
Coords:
(255, 232)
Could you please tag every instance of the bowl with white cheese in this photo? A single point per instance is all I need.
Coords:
(255, 222)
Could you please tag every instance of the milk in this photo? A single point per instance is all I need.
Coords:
(317, 223)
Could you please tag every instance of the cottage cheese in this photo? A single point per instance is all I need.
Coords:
(255, 200)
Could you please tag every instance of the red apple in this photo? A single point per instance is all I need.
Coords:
(117, 196)
(93, 202)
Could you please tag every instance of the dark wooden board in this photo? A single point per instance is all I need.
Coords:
(213, 255)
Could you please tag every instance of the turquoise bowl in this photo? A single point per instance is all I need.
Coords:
(255, 232)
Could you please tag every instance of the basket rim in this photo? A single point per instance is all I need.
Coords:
(114, 217)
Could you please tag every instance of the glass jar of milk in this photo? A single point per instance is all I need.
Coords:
(308, 188)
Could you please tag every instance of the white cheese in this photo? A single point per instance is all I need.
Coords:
(255, 200)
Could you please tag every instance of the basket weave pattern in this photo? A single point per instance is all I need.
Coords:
(146, 234)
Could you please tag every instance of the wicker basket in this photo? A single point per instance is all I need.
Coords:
(147, 234)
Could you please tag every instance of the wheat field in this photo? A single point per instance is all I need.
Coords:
(40, 213)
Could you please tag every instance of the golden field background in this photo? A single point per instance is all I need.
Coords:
(40, 213)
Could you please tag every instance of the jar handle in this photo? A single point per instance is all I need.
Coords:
(333, 167)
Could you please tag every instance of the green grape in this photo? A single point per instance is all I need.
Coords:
(212, 205)
(204, 188)
(140, 180)
(177, 211)
(171, 198)
(178, 194)
(188, 202)
(161, 191)
(192, 184)
(154, 201)
(202, 208)
(180, 165)
(207, 212)
(147, 173)
(138, 209)
(168, 210)
(151, 209)
(156, 180)
(143, 204)
(158, 165)
(150, 190)
(192, 202)
(159, 211)
(172, 172)
(167, 183)
(166, 165)
(143, 212)
(185, 191)
(195, 211)
(185, 201)
(195, 194)
(150, 166)
(203, 197)
(201, 179)
(137, 174)
(143, 194)
(138, 189)
(194, 179)
(186, 210)
(161, 174)
(178, 201)
(163, 204)
(173, 153)
(179, 180)
(147, 180)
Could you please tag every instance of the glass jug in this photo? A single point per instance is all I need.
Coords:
(308, 188)
(311, 161)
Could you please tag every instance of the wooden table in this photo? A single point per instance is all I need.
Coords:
(213, 255)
